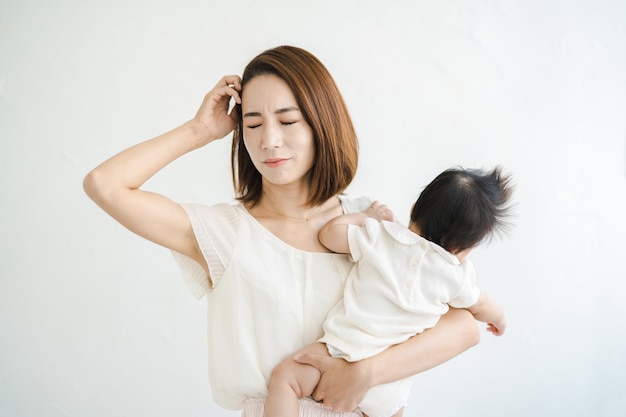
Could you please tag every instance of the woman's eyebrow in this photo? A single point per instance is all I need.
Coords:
(279, 111)
(286, 110)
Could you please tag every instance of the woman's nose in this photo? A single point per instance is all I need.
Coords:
(271, 137)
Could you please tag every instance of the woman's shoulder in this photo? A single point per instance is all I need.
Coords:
(352, 204)
(216, 209)
(214, 214)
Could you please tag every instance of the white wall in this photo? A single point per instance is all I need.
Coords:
(96, 322)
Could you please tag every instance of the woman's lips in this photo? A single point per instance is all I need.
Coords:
(275, 162)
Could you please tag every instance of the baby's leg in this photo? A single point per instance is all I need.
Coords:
(290, 381)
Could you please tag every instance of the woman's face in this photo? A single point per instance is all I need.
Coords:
(278, 139)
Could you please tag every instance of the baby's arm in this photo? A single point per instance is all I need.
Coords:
(334, 235)
(490, 312)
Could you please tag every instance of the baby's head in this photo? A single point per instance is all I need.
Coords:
(462, 207)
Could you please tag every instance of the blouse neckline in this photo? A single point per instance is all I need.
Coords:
(259, 225)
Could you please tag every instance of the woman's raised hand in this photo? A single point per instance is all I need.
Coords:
(213, 113)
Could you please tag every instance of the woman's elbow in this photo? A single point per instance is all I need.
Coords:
(465, 327)
(97, 187)
(91, 184)
(469, 329)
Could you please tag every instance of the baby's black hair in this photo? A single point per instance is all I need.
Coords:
(461, 207)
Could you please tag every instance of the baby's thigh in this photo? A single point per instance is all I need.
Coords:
(316, 348)
(301, 378)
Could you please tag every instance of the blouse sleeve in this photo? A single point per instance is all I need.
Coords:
(355, 204)
(215, 228)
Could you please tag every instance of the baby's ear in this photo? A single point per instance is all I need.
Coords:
(462, 254)
(415, 228)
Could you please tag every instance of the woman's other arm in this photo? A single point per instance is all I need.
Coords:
(115, 184)
(344, 384)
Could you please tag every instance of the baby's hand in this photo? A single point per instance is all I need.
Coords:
(379, 212)
(497, 330)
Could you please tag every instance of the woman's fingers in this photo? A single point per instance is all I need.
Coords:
(230, 80)
(316, 361)
(341, 386)
(230, 85)
(214, 110)
(218, 94)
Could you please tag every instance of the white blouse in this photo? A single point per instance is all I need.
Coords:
(267, 298)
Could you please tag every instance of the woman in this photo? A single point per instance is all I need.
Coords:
(268, 280)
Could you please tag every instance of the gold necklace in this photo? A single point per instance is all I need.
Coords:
(302, 219)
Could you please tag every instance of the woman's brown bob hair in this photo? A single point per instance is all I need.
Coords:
(323, 108)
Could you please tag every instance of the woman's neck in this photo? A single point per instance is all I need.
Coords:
(288, 202)
(287, 214)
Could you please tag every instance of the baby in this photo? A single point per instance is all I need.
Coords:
(403, 280)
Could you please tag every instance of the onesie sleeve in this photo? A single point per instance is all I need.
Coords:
(362, 238)
(215, 228)
(468, 292)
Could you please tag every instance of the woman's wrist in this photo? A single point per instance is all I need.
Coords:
(367, 370)
(199, 132)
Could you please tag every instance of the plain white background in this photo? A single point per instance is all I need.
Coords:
(95, 321)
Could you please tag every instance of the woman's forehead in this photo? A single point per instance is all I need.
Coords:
(267, 92)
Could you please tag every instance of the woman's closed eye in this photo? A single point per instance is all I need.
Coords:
(283, 123)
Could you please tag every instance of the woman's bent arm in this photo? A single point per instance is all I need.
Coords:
(455, 332)
(343, 385)
(114, 184)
